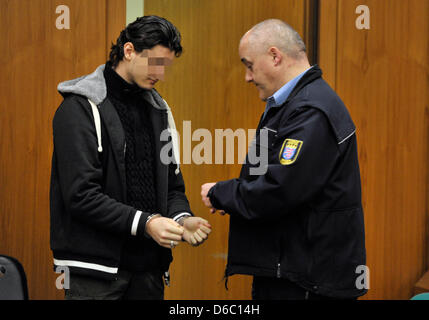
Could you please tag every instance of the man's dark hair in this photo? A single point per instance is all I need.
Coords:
(145, 33)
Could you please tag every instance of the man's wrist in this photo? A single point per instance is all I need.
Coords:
(181, 221)
(152, 216)
(181, 217)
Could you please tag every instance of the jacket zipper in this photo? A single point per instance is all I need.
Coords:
(280, 258)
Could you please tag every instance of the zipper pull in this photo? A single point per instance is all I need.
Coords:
(278, 270)
(167, 278)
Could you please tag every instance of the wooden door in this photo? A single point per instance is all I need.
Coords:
(382, 74)
(35, 57)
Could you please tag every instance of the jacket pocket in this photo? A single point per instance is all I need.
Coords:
(338, 246)
(349, 246)
(250, 244)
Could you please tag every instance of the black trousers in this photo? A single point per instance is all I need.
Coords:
(282, 289)
(128, 286)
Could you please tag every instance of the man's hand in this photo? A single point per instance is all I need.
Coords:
(196, 230)
(166, 232)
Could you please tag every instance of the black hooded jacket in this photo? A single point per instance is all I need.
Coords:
(90, 220)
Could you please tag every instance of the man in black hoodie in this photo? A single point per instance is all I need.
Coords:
(298, 228)
(118, 208)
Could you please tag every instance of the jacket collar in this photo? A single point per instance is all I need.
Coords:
(326, 100)
(312, 74)
(118, 88)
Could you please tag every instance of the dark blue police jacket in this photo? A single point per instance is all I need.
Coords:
(302, 220)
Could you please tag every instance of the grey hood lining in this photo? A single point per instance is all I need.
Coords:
(93, 87)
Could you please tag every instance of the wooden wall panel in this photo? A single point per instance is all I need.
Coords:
(382, 74)
(206, 86)
(115, 22)
(35, 57)
(328, 19)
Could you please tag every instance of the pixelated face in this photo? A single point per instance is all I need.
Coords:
(148, 67)
(259, 69)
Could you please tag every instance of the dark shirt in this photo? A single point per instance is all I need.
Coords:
(140, 166)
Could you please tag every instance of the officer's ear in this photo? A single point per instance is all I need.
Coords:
(276, 55)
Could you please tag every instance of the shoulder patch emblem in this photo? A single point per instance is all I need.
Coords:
(289, 151)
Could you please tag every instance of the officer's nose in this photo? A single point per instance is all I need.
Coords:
(248, 77)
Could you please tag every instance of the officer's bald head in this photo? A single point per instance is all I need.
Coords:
(275, 33)
(273, 54)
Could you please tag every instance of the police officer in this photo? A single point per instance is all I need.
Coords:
(298, 228)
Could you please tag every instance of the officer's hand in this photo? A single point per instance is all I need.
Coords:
(165, 231)
(196, 230)
(205, 188)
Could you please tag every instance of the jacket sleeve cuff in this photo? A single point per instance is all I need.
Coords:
(212, 197)
(181, 215)
(139, 222)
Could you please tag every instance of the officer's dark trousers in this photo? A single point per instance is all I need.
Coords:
(128, 286)
(281, 289)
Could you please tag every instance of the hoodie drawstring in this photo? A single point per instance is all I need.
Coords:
(97, 122)
(171, 125)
